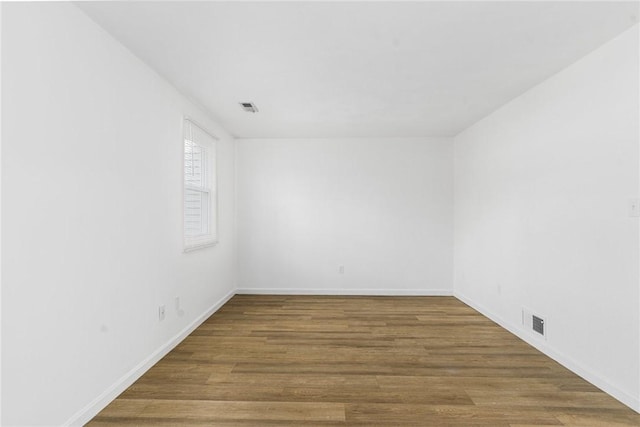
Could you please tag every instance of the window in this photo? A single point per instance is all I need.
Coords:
(200, 195)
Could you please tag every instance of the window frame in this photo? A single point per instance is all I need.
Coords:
(210, 169)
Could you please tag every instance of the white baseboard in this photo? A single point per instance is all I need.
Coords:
(93, 408)
(631, 401)
(345, 292)
(99, 403)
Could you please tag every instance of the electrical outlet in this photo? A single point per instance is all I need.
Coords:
(634, 208)
(161, 312)
(341, 269)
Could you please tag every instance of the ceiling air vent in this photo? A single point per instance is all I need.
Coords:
(249, 107)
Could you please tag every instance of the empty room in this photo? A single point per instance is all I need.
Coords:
(320, 213)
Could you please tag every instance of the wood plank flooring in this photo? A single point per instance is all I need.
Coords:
(358, 361)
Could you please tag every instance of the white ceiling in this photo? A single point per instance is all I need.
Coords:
(358, 68)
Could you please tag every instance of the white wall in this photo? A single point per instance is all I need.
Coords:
(541, 215)
(0, 208)
(382, 208)
(91, 220)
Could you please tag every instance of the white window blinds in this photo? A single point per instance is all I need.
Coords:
(200, 198)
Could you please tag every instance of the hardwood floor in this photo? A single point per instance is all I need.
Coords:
(361, 361)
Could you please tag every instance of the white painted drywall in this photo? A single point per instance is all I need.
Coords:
(0, 207)
(365, 69)
(541, 215)
(92, 214)
(382, 208)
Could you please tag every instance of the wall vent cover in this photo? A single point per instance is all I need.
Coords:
(534, 322)
(249, 107)
(538, 324)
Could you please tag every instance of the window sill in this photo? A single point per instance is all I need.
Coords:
(194, 246)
